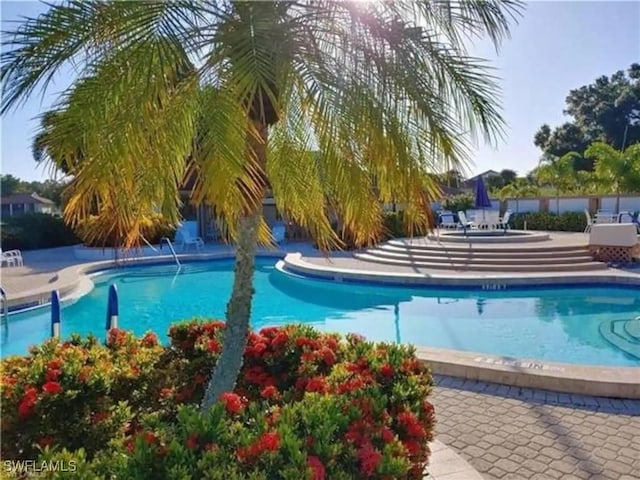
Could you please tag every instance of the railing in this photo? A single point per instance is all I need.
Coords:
(173, 252)
(5, 305)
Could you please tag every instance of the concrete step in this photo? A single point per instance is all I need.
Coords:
(456, 247)
(482, 253)
(488, 267)
(474, 259)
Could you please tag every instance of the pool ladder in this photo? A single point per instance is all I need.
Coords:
(5, 305)
(173, 252)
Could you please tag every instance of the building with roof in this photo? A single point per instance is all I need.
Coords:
(22, 203)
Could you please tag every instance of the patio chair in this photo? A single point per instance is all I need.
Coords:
(604, 216)
(504, 221)
(12, 258)
(278, 233)
(490, 220)
(635, 218)
(447, 220)
(464, 221)
(587, 229)
(184, 238)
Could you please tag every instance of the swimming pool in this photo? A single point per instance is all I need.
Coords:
(559, 324)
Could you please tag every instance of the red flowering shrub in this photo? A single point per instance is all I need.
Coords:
(306, 405)
(68, 393)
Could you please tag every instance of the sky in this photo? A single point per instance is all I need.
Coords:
(554, 48)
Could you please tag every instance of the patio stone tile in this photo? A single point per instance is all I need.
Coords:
(548, 439)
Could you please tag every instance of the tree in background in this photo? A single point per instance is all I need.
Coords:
(618, 169)
(607, 110)
(508, 176)
(452, 178)
(519, 188)
(493, 182)
(496, 182)
(559, 174)
(10, 185)
(51, 189)
(588, 183)
(383, 89)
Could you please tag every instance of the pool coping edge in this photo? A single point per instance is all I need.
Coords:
(617, 382)
(591, 380)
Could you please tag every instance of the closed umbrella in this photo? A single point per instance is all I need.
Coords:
(482, 197)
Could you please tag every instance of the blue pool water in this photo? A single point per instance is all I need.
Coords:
(560, 324)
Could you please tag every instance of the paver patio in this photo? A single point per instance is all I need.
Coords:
(512, 433)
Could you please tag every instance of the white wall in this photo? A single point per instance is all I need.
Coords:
(626, 204)
(525, 205)
(577, 204)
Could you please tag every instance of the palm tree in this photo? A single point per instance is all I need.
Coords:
(588, 183)
(558, 173)
(43, 145)
(619, 169)
(517, 189)
(382, 89)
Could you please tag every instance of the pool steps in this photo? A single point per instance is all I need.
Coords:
(490, 258)
(623, 334)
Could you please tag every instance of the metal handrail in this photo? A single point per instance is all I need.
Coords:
(5, 305)
(173, 252)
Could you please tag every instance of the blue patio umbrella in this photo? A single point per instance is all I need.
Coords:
(482, 197)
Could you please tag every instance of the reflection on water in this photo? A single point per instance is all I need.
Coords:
(554, 324)
(548, 323)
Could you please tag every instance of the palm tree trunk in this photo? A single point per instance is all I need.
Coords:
(238, 314)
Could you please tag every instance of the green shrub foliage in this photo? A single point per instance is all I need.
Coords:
(307, 405)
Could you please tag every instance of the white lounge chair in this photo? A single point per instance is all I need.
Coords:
(490, 219)
(184, 238)
(278, 232)
(587, 229)
(464, 221)
(12, 258)
(504, 221)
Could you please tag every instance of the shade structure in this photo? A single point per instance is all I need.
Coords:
(482, 197)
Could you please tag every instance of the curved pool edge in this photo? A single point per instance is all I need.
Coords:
(591, 380)
(576, 379)
(603, 381)
(294, 263)
(74, 282)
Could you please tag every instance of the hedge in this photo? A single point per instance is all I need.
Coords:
(565, 222)
(307, 405)
(36, 230)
